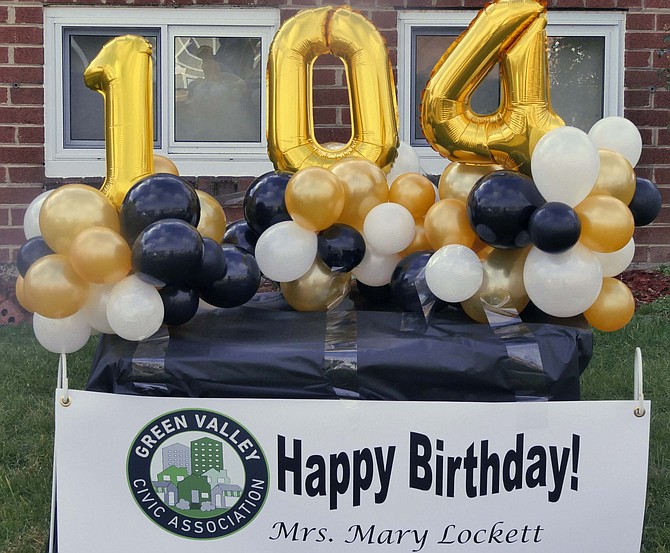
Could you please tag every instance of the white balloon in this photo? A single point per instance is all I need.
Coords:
(406, 162)
(134, 309)
(454, 273)
(565, 165)
(376, 268)
(286, 251)
(563, 284)
(620, 135)
(388, 228)
(65, 335)
(95, 308)
(31, 219)
(617, 262)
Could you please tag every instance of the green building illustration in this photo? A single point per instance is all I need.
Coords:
(172, 474)
(206, 454)
(195, 489)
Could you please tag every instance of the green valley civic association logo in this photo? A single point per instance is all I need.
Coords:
(197, 473)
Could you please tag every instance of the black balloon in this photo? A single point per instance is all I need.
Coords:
(213, 266)
(646, 203)
(500, 206)
(156, 197)
(264, 204)
(180, 303)
(168, 252)
(405, 279)
(241, 282)
(554, 227)
(341, 247)
(241, 234)
(30, 252)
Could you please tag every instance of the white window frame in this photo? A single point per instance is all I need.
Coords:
(610, 25)
(212, 159)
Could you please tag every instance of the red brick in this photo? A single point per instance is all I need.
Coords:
(662, 177)
(644, 171)
(25, 95)
(601, 4)
(638, 58)
(640, 21)
(663, 22)
(4, 54)
(4, 217)
(29, 56)
(28, 14)
(648, 117)
(646, 136)
(31, 135)
(448, 3)
(652, 235)
(25, 175)
(4, 94)
(637, 98)
(390, 38)
(331, 96)
(660, 60)
(568, 4)
(661, 98)
(30, 74)
(639, 78)
(384, 19)
(17, 214)
(325, 116)
(13, 236)
(7, 135)
(9, 114)
(5, 253)
(637, 40)
(19, 196)
(21, 35)
(629, 3)
(659, 254)
(478, 4)
(345, 115)
(22, 154)
(655, 4)
(653, 156)
(328, 61)
(641, 253)
(324, 76)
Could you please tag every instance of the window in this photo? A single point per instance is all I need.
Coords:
(585, 61)
(209, 86)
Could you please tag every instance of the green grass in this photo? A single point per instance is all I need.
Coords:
(28, 378)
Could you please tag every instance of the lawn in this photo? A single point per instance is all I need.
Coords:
(28, 378)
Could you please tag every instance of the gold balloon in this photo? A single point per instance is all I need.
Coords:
(447, 223)
(71, 209)
(21, 295)
(419, 243)
(314, 198)
(512, 33)
(212, 222)
(458, 179)
(100, 255)
(607, 223)
(122, 73)
(374, 113)
(163, 164)
(502, 289)
(365, 187)
(614, 307)
(317, 290)
(616, 177)
(53, 289)
(414, 192)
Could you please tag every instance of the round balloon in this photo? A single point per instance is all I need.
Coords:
(239, 233)
(408, 285)
(212, 222)
(563, 284)
(100, 255)
(341, 248)
(31, 218)
(65, 335)
(180, 303)
(212, 266)
(365, 187)
(134, 309)
(314, 198)
(614, 307)
(646, 203)
(554, 227)
(156, 197)
(389, 228)
(420, 240)
(617, 262)
(286, 251)
(95, 308)
(620, 135)
(607, 223)
(500, 207)
(240, 282)
(34, 249)
(376, 268)
(163, 164)
(458, 179)
(264, 203)
(414, 192)
(454, 273)
(447, 223)
(319, 289)
(52, 287)
(565, 165)
(21, 295)
(73, 208)
(407, 161)
(616, 177)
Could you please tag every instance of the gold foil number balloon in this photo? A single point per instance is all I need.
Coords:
(512, 33)
(374, 119)
(122, 73)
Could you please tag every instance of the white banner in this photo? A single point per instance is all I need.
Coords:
(250, 476)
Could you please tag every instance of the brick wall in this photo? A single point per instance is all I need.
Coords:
(22, 178)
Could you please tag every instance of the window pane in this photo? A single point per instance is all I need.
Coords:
(84, 111)
(218, 89)
(576, 72)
